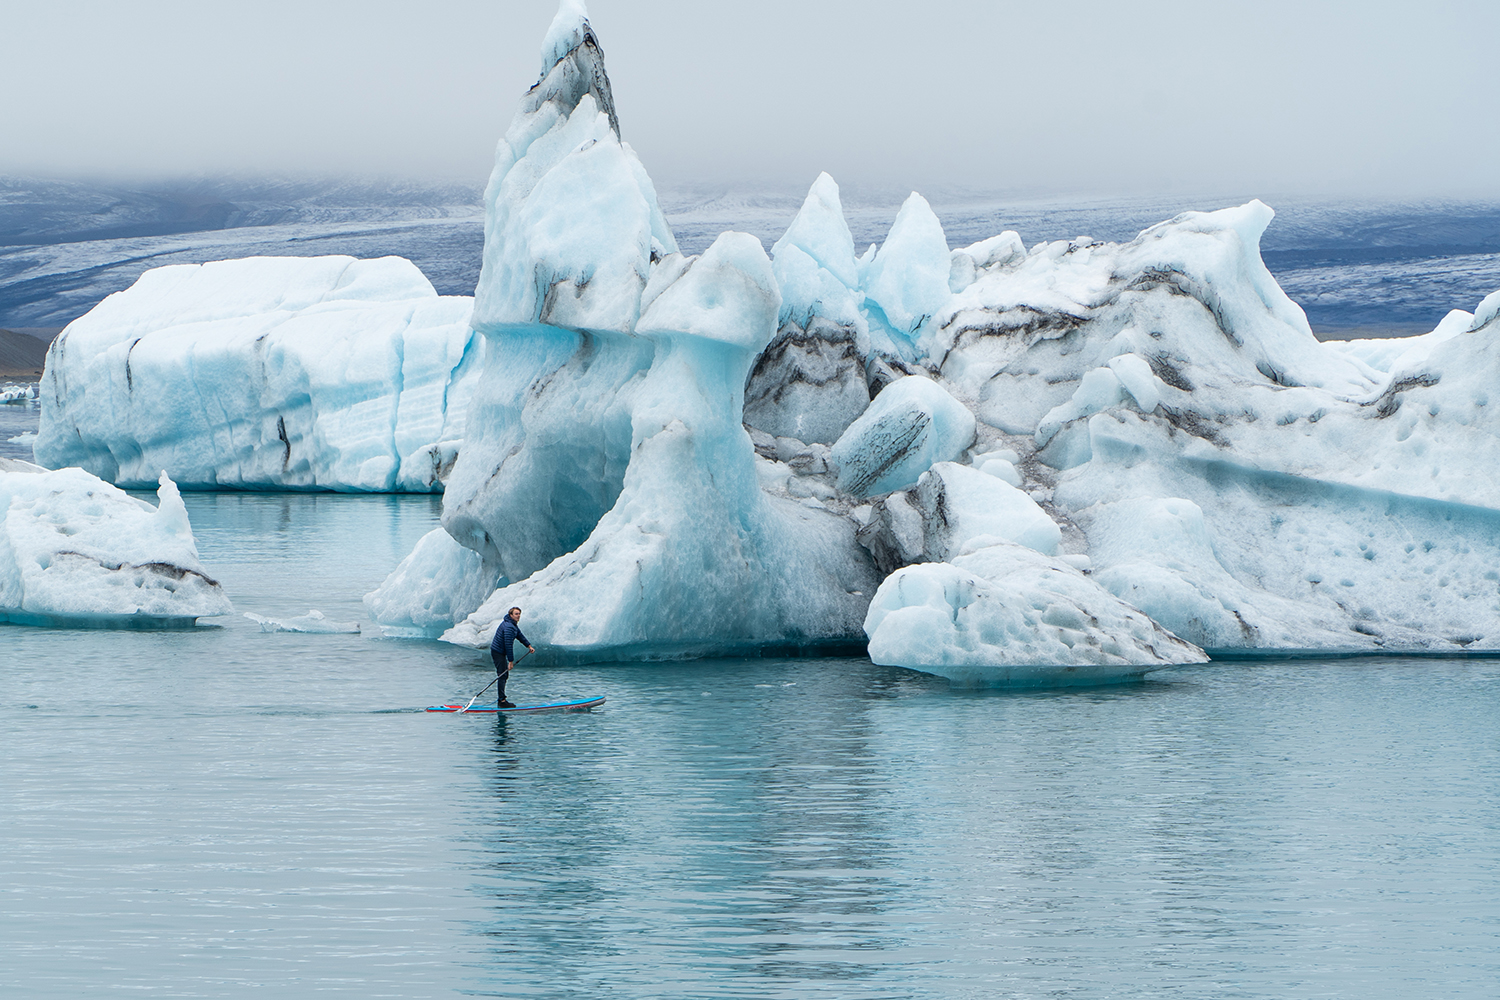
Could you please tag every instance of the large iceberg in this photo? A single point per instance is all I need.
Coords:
(265, 373)
(607, 484)
(1242, 483)
(1076, 461)
(1055, 457)
(75, 550)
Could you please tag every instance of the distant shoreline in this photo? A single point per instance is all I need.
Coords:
(23, 350)
(1388, 331)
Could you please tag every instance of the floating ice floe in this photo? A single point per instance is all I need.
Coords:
(265, 373)
(1006, 615)
(75, 550)
(17, 393)
(314, 622)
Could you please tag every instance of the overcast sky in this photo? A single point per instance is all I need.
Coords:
(1045, 98)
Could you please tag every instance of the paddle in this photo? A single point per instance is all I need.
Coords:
(492, 683)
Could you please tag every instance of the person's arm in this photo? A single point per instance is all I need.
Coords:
(521, 637)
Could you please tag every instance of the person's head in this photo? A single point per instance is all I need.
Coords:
(515, 614)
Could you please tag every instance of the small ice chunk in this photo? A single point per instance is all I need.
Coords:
(314, 621)
(1005, 615)
(1002, 470)
(913, 423)
(963, 504)
(1136, 376)
(1003, 249)
(1098, 390)
(1007, 454)
(1486, 311)
(74, 549)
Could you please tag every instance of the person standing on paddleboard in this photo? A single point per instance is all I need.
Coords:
(503, 650)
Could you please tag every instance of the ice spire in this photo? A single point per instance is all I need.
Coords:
(572, 65)
(571, 218)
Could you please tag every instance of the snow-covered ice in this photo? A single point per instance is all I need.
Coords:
(265, 373)
(75, 550)
(1004, 615)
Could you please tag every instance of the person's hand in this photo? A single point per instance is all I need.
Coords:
(531, 649)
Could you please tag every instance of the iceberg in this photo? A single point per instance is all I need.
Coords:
(1001, 464)
(77, 551)
(572, 224)
(265, 373)
(681, 456)
(692, 556)
(1245, 485)
(609, 486)
(1004, 615)
(1075, 460)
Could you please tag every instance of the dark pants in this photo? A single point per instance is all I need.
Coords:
(500, 672)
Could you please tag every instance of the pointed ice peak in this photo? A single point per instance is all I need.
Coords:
(1486, 312)
(568, 30)
(571, 217)
(908, 279)
(915, 221)
(820, 231)
(572, 65)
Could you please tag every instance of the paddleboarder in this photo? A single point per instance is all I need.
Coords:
(502, 649)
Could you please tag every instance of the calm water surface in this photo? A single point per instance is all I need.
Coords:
(225, 812)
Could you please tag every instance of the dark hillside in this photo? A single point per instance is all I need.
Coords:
(22, 353)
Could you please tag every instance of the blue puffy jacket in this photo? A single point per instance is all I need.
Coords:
(505, 637)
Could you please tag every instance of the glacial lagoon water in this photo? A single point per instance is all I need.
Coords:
(225, 812)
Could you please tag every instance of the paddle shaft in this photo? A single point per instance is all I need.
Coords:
(497, 678)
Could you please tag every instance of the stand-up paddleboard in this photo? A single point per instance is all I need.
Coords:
(581, 705)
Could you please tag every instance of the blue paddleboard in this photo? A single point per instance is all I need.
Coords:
(581, 705)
